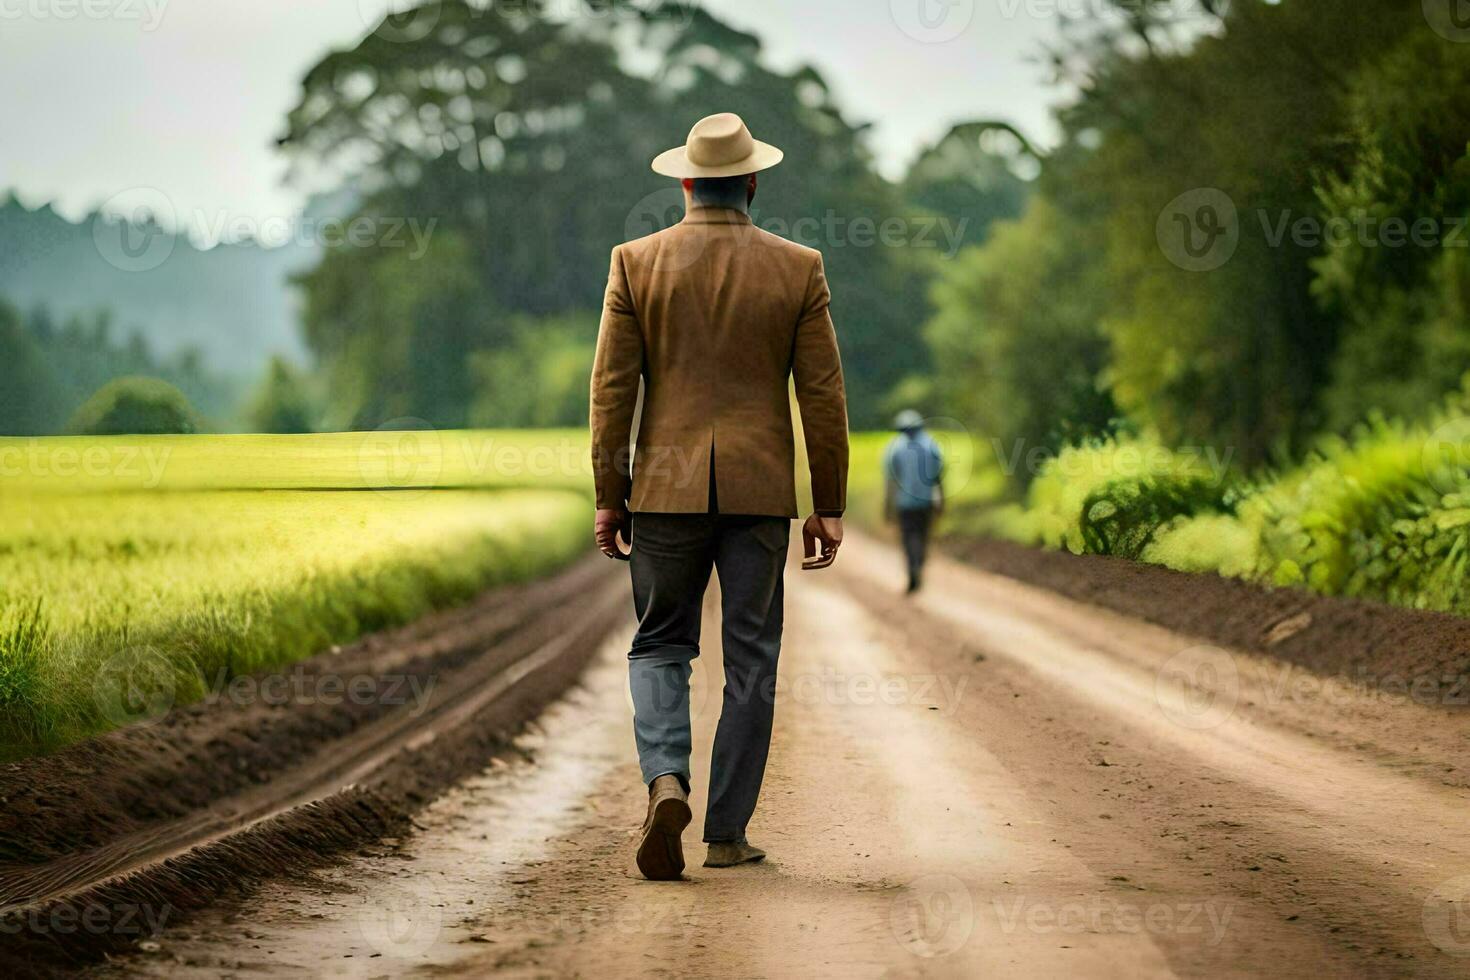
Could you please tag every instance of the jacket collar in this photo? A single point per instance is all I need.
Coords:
(698, 215)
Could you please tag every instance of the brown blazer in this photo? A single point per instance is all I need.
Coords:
(715, 315)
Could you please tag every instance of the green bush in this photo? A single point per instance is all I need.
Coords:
(1115, 495)
(135, 406)
(1383, 514)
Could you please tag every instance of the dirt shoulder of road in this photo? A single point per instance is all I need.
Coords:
(275, 773)
(1422, 656)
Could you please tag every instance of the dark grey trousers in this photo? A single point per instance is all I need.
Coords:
(913, 528)
(673, 555)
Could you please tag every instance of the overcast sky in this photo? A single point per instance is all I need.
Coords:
(102, 96)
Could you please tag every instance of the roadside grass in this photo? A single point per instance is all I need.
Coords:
(127, 587)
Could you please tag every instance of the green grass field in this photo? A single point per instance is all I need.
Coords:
(202, 557)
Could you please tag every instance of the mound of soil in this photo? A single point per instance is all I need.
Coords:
(1424, 656)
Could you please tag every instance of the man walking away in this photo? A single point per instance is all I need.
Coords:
(914, 493)
(714, 317)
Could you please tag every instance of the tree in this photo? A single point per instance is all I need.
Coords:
(969, 178)
(31, 397)
(394, 332)
(1396, 272)
(281, 403)
(135, 406)
(540, 379)
(1018, 347)
(1237, 353)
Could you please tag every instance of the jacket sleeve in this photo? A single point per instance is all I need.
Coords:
(817, 369)
(616, 370)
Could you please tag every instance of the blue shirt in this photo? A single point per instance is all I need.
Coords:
(912, 464)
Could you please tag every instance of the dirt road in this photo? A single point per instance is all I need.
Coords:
(988, 780)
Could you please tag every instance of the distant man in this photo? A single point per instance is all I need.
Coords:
(714, 317)
(914, 493)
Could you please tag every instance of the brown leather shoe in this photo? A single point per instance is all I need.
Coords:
(660, 851)
(727, 854)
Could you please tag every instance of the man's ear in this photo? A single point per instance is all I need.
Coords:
(750, 191)
(688, 184)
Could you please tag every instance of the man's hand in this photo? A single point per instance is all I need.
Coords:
(610, 522)
(827, 530)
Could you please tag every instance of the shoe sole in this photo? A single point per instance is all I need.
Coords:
(661, 852)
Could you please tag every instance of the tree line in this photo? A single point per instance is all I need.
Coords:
(1252, 232)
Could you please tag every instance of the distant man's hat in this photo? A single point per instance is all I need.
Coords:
(908, 419)
(719, 146)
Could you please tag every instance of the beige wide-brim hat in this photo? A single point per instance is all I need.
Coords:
(719, 146)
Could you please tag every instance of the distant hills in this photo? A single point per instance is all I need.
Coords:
(233, 303)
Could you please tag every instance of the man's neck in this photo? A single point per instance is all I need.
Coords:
(741, 206)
